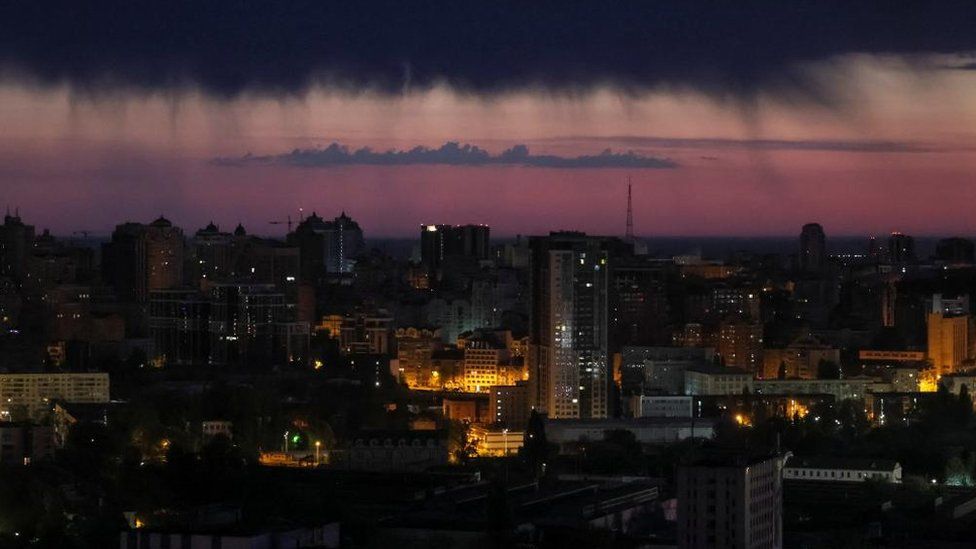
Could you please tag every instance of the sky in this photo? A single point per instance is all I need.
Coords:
(743, 122)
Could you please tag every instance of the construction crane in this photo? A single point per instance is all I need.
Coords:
(287, 222)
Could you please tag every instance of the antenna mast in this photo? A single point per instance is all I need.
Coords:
(629, 237)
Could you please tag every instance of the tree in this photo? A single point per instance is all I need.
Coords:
(965, 405)
(535, 446)
(499, 511)
(828, 369)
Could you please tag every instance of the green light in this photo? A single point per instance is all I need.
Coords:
(295, 439)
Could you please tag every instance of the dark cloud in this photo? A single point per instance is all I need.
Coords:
(450, 154)
(273, 46)
(831, 145)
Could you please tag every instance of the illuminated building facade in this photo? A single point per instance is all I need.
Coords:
(568, 324)
(949, 341)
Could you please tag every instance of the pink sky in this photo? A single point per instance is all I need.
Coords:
(73, 162)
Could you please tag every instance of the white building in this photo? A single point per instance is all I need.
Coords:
(840, 389)
(831, 469)
(716, 380)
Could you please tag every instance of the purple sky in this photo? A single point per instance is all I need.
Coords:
(896, 151)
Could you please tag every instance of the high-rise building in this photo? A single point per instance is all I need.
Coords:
(569, 286)
(142, 258)
(740, 344)
(949, 341)
(440, 242)
(901, 248)
(179, 327)
(16, 240)
(639, 310)
(327, 247)
(813, 248)
(212, 254)
(348, 243)
(242, 323)
(731, 501)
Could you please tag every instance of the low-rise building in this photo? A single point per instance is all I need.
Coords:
(649, 431)
(217, 427)
(834, 469)
(496, 441)
(33, 394)
(717, 380)
(841, 389)
(661, 406)
(396, 451)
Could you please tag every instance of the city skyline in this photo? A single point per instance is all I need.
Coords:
(680, 273)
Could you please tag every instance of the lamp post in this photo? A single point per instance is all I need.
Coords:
(285, 436)
(318, 449)
(505, 437)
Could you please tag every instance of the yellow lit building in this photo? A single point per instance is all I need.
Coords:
(948, 341)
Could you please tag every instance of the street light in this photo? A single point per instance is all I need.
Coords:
(285, 436)
(505, 436)
(318, 447)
